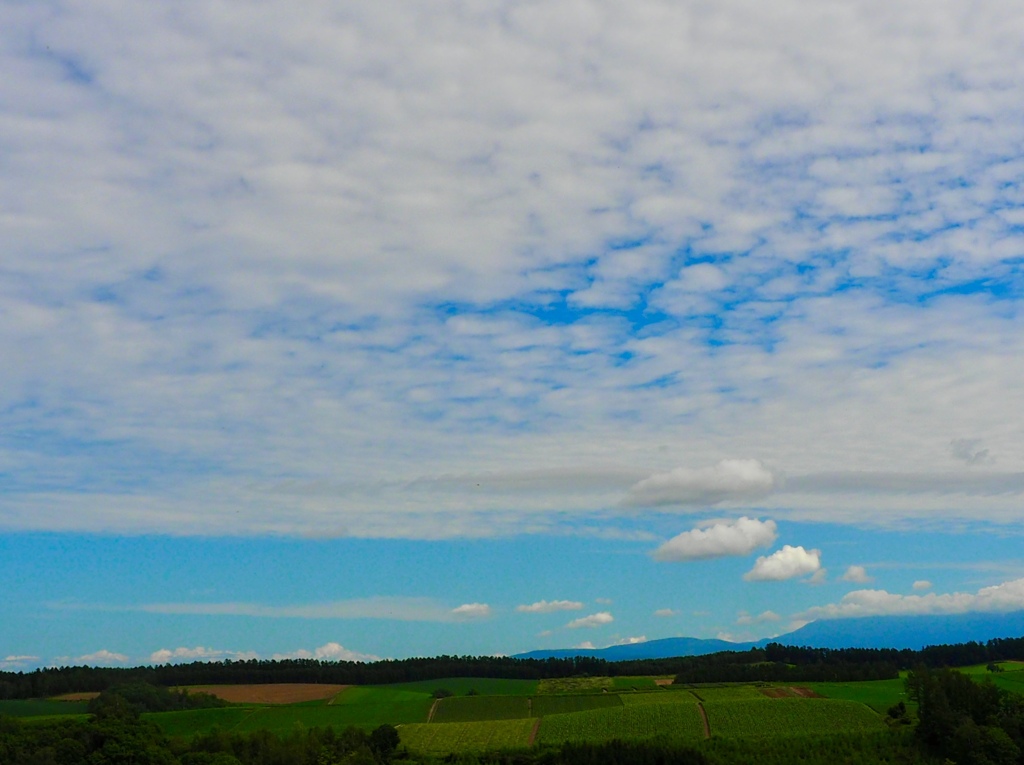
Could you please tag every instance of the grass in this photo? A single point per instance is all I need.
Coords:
(474, 708)
(789, 716)
(641, 683)
(673, 721)
(554, 705)
(728, 692)
(458, 737)
(574, 685)
(194, 721)
(877, 694)
(665, 697)
(41, 707)
(461, 686)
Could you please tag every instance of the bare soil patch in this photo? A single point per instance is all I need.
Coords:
(270, 693)
(83, 696)
(806, 693)
(664, 681)
(790, 692)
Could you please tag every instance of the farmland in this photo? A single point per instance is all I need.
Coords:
(441, 738)
(265, 693)
(788, 716)
(475, 708)
(672, 721)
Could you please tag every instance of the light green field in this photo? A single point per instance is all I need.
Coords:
(574, 685)
(41, 707)
(877, 694)
(442, 738)
(379, 695)
(789, 716)
(659, 697)
(641, 683)
(673, 721)
(474, 708)
(728, 692)
(461, 686)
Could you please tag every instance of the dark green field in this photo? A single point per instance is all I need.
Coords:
(41, 707)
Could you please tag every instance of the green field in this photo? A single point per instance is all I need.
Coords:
(474, 708)
(641, 683)
(575, 685)
(555, 705)
(672, 721)
(658, 697)
(877, 694)
(195, 721)
(41, 707)
(727, 692)
(442, 738)
(461, 686)
(789, 716)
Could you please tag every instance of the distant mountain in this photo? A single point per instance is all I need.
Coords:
(913, 632)
(651, 649)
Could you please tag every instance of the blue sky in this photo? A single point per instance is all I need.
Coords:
(369, 330)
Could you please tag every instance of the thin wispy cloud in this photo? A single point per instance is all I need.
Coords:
(550, 606)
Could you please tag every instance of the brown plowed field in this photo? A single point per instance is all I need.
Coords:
(84, 696)
(793, 692)
(274, 693)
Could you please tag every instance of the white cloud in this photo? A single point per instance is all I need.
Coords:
(857, 574)
(1008, 596)
(16, 662)
(604, 601)
(184, 654)
(787, 563)
(101, 658)
(728, 480)
(472, 611)
(328, 652)
(819, 577)
(764, 616)
(666, 612)
(594, 620)
(631, 640)
(739, 537)
(922, 584)
(550, 606)
(585, 645)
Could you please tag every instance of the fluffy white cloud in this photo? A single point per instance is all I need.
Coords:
(594, 620)
(631, 640)
(17, 662)
(857, 574)
(101, 658)
(665, 612)
(550, 606)
(922, 584)
(1008, 596)
(328, 652)
(787, 563)
(764, 616)
(184, 654)
(729, 479)
(472, 611)
(585, 645)
(739, 537)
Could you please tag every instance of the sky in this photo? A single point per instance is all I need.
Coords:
(377, 329)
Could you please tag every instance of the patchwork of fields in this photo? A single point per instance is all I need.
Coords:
(475, 714)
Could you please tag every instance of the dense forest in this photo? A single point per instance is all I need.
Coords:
(775, 662)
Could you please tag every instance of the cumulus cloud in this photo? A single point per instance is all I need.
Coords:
(472, 611)
(328, 652)
(594, 620)
(922, 584)
(631, 640)
(739, 537)
(857, 574)
(585, 645)
(787, 563)
(184, 654)
(550, 606)
(728, 480)
(1008, 596)
(819, 577)
(17, 662)
(764, 616)
(665, 612)
(101, 658)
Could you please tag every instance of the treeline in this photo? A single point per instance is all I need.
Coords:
(781, 663)
(774, 662)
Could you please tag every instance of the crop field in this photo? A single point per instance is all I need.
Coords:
(441, 738)
(195, 721)
(574, 685)
(877, 694)
(473, 708)
(728, 692)
(40, 707)
(642, 683)
(658, 697)
(789, 716)
(674, 721)
(278, 693)
(461, 686)
(554, 705)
